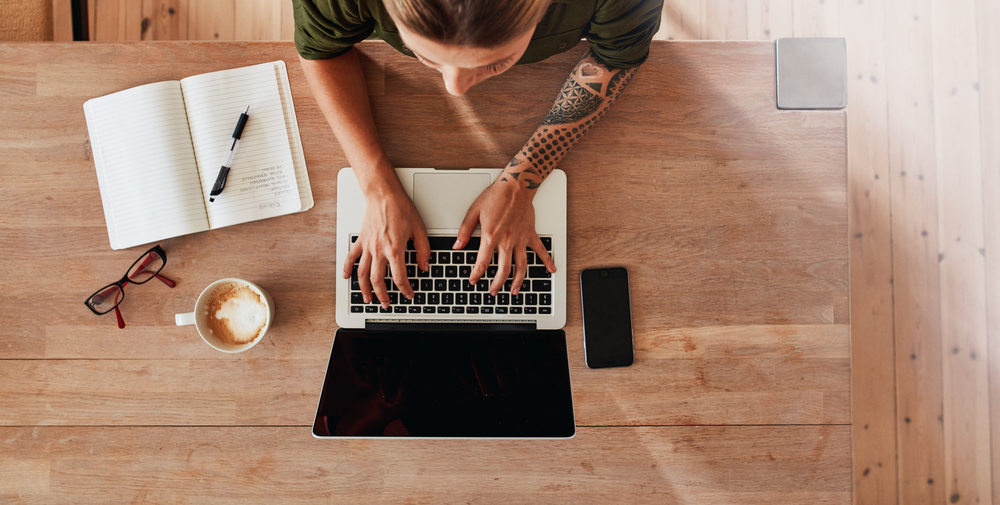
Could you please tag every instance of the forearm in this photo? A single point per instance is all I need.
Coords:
(340, 89)
(587, 95)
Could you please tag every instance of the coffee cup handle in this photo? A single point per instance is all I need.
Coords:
(184, 319)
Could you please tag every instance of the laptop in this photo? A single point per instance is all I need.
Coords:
(454, 362)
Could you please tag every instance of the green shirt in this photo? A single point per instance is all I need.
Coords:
(619, 31)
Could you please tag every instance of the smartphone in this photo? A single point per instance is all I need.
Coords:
(607, 317)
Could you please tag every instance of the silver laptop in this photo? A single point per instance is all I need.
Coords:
(454, 362)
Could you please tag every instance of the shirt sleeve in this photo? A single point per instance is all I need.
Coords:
(328, 28)
(621, 30)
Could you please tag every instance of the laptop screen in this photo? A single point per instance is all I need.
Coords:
(447, 385)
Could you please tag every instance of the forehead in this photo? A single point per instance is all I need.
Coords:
(462, 56)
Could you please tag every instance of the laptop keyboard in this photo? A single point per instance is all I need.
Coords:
(445, 289)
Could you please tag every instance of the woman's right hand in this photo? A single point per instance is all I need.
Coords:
(390, 221)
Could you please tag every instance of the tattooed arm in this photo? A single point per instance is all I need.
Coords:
(505, 209)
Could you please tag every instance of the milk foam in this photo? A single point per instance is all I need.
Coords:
(237, 314)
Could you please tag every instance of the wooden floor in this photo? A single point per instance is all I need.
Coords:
(924, 195)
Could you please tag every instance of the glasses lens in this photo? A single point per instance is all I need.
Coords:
(144, 269)
(106, 299)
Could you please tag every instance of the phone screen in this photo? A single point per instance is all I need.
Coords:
(607, 317)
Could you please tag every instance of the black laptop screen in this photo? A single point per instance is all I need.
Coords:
(447, 385)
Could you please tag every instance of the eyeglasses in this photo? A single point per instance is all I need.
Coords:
(145, 268)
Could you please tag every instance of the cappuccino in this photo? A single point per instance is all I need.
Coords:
(235, 314)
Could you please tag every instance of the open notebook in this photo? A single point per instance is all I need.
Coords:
(159, 147)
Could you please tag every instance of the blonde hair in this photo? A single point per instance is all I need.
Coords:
(472, 23)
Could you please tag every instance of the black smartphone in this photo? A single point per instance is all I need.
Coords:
(607, 317)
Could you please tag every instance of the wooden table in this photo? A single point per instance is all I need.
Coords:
(730, 215)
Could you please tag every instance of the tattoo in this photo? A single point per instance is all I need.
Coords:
(574, 103)
(618, 82)
(586, 96)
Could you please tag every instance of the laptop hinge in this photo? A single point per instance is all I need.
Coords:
(446, 326)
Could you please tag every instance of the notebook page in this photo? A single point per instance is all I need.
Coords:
(294, 140)
(145, 164)
(261, 181)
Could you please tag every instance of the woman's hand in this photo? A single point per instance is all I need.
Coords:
(508, 227)
(390, 221)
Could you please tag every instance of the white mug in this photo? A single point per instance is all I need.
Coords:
(197, 318)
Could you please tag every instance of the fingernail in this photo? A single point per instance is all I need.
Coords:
(457, 242)
(513, 291)
(426, 266)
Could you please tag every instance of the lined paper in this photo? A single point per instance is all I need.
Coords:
(146, 165)
(262, 181)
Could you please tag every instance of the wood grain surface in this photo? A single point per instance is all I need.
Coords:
(730, 215)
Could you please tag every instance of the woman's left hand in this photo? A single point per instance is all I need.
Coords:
(507, 215)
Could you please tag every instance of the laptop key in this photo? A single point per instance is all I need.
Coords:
(426, 285)
(414, 310)
(393, 298)
(470, 258)
(503, 298)
(387, 310)
(458, 310)
(357, 308)
(466, 286)
(517, 299)
(472, 310)
(451, 271)
(489, 299)
(399, 309)
(444, 310)
(433, 257)
(355, 286)
(421, 273)
(541, 285)
(411, 271)
(515, 310)
(440, 285)
(538, 272)
(530, 310)
(547, 242)
(545, 299)
(420, 298)
(487, 310)
(455, 285)
(462, 299)
(414, 283)
(357, 298)
(371, 308)
(531, 299)
(501, 310)
(437, 271)
(491, 272)
(483, 285)
(433, 298)
(544, 310)
(444, 258)
(475, 299)
(464, 271)
(405, 301)
(428, 310)
(447, 299)
(458, 258)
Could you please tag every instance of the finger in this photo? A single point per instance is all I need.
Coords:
(352, 255)
(539, 248)
(423, 247)
(398, 269)
(378, 281)
(364, 269)
(483, 258)
(467, 227)
(503, 268)
(520, 268)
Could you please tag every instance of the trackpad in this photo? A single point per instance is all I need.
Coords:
(443, 198)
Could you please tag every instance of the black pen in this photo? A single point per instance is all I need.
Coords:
(220, 181)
